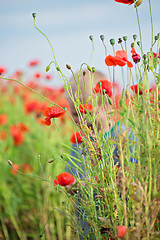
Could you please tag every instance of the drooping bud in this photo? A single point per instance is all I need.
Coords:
(68, 66)
(89, 68)
(112, 41)
(34, 15)
(91, 38)
(109, 100)
(48, 68)
(138, 3)
(102, 37)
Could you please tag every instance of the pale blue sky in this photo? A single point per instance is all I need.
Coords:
(68, 24)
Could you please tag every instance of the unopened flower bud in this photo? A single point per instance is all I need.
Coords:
(102, 37)
(48, 68)
(109, 100)
(34, 15)
(138, 43)
(91, 38)
(99, 83)
(68, 66)
(125, 38)
(132, 45)
(89, 68)
(134, 37)
(156, 38)
(144, 56)
(93, 69)
(112, 41)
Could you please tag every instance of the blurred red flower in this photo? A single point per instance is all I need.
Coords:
(3, 70)
(125, 1)
(13, 171)
(120, 59)
(17, 135)
(3, 135)
(3, 119)
(53, 112)
(105, 86)
(138, 90)
(121, 231)
(37, 75)
(49, 76)
(27, 168)
(76, 137)
(135, 56)
(64, 179)
(23, 127)
(34, 63)
(84, 108)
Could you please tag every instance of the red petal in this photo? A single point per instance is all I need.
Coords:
(110, 61)
(121, 54)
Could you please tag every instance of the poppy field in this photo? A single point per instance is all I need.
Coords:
(82, 161)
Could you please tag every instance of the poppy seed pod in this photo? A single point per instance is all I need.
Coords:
(34, 15)
(102, 37)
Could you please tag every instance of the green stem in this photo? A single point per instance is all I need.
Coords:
(151, 22)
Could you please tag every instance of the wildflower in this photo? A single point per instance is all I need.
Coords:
(48, 76)
(53, 112)
(34, 63)
(76, 138)
(17, 135)
(138, 90)
(23, 127)
(13, 171)
(27, 168)
(135, 56)
(105, 86)
(125, 1)
(37, 75)
(64, 179)
(121, 231)
(2, 70)
(84, 108)
(120, 59)
(3, 119)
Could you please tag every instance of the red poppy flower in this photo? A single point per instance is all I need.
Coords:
(31, 106)
(13, 171)
(23, 127)
(121, 231)
(135, 56)
(105, 86)
(27, 168)
(3, 135)
(120, 59)
(2, 70)
(17, 135)
(64, 179)
(34, 63)
(137, 90)
(84, 108)
(77, 138)
(53, 112)
(125, 1)
(3, 119)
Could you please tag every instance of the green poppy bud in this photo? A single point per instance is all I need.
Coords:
(125, 38)
(91, 38)
(112, 41)
(110, 100)
(138, 43)
(156, 38)
(34, 15)
(99, 83)
(134, 37)
(47, 68)
(144, 56)
(89, 68)
(93, 69)
(102, 37)
(132, 45)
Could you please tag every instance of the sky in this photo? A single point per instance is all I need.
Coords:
(68, 24)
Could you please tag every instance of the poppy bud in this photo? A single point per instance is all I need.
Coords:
(91, 38)
(109, 100)
(68, 66)
(134, 37)
(47, 68)
(144, 56)
(132, 45)
(89, 68)
(112, 41)
(102, 37)
(125, 38)
(93, 69)
(156, 38)
(138, 43)
(34, 15)
(138, 3)
(99, 83)
(122, 102)
(84, 73)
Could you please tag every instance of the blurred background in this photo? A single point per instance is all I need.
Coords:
(68, 25)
